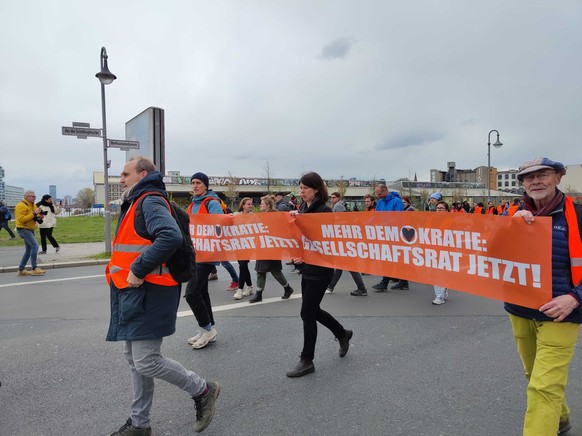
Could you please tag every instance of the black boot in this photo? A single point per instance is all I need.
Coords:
(258, 297)
(344, 343)
(288, 292)
(304, 367)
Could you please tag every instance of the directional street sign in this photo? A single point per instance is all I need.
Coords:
(118, 143)
(81, 131)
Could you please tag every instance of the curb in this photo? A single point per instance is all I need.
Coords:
(55, 265)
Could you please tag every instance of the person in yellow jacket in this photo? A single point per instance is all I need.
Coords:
(27, 215)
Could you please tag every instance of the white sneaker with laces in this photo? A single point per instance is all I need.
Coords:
(197, 336)
(248, 291)
(438, 301)
(205, 339)
(238, 294)
(329, 291)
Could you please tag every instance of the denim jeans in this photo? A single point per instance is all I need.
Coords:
(30, 248)
(439, 291)
(147, 363)
(228, 266)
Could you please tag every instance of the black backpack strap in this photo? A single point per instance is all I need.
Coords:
(139, 212)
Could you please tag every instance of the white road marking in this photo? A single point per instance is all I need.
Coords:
(38, 282)
(239, 305)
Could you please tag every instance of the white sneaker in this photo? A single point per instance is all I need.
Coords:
(248, 291)
(438, 300)
(329, 291)
(197, 336)
(205, 338)
(238, 294)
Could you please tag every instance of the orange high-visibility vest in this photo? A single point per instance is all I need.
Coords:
(490, 210)
(511, 210)
(574, 242)
(203, 206)
(127, 247)
(477, 209)
(500, 210)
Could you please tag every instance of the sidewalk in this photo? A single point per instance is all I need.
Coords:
(69, 255)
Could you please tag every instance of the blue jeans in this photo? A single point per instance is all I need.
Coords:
(30, 248)
(147, 363)
(230, 270)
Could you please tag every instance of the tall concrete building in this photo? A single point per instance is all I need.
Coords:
(53, 192)
(10, 195)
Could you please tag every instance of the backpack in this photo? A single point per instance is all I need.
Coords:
(182, 264)
(6, 215)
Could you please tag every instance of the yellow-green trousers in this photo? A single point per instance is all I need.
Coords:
(546, 349)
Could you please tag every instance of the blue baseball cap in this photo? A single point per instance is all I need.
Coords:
(539, 164)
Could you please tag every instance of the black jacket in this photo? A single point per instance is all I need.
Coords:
(308, 271)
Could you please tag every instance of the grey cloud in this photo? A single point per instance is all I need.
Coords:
(337, 49)
(409, 139)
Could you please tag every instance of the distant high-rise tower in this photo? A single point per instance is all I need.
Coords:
(53, 192)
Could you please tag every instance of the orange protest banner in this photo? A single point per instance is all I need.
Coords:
(495, 257)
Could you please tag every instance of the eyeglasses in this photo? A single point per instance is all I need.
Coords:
(541, 175)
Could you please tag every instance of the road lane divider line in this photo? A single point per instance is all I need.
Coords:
(38, 282)
(240, 305)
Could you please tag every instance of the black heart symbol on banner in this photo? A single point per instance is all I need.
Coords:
(409, 233)
(218, 230)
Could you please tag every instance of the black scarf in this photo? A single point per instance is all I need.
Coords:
(529, 204)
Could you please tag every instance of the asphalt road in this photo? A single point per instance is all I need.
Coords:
(413, 368)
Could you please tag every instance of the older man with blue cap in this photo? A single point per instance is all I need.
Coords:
(546, 337)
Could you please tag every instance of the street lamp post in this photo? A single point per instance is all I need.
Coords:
(105, 77)
(496, 144)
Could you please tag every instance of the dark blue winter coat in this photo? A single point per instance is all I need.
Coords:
(147, 312)
(561, 274)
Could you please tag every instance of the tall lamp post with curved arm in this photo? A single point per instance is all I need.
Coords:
(106, 77)
(496, 144)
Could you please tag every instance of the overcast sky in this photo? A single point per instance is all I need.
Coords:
(365, 89)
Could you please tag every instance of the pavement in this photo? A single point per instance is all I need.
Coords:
(69, 255)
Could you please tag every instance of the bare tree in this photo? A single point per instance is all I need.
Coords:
(267, 172)
(342, 186)
(85, 198)
(231, 191)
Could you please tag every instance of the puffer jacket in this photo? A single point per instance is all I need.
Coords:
(149, 311)
(561, 274)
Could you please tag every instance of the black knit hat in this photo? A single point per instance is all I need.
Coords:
(200, 176)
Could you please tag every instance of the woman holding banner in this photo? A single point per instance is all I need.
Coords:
(244, 275)
(275, 267)
(314, 281)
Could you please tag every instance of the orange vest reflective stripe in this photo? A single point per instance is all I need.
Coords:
(127, 247)
(511, 210)
(477, 209)
(574, 242)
